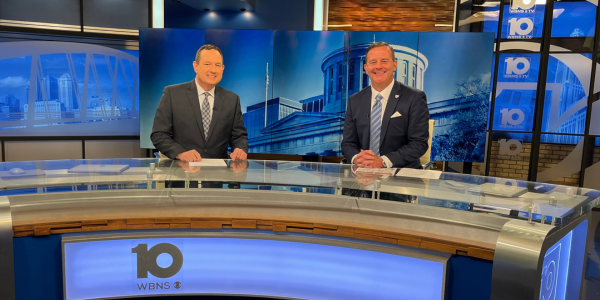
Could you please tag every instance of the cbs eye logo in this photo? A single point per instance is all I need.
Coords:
(146, 260)
(517, 67)
(522, 6)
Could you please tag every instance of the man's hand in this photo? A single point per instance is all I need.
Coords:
(191, 155)
(368, 159)
(238, 154)
(238, 166)
(186, 166)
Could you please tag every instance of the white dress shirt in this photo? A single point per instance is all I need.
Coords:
(211, 97)
(385, 93)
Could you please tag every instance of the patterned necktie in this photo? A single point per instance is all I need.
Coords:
(376, 125)
(206, 114)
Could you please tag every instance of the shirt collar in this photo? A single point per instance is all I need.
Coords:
(385, 93)
(202, 91)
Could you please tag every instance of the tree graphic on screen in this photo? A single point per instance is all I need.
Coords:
(464, 140)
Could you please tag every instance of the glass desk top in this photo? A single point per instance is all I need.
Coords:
(508, 198)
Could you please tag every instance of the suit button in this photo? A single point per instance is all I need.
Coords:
(205, 150)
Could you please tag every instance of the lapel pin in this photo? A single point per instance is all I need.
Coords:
(397, 96)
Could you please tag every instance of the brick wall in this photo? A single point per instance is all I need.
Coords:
(510, 166)
(518, 166)
(550, 155)
(386, 15)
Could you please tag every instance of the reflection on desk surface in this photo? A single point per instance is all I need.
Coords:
(489, 194)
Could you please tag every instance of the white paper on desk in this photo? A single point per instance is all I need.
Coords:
(208, 163)
(423, 174)
(535, 196)
(378, 171)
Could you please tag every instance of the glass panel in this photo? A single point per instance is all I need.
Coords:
(511, 153)
(452, 190)
(567, 87)
(560, 159)
(478, 17)
(516, 91)
(573, 25)
(523, 19)
(14, 90)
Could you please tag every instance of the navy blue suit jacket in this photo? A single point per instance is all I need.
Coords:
(403, 139)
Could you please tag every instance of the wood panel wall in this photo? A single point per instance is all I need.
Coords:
(455, 248)
(391, 15)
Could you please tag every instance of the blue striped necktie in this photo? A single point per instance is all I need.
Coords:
(206, 114)
(376, 125)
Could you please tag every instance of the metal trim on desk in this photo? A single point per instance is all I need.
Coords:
(7, 264)
(519, 256)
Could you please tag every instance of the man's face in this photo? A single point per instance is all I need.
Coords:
(380, 66)
(209, 71)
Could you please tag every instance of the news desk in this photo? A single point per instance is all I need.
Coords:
(118, 228)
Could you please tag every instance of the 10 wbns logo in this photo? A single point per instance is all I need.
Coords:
(522, 6)
(147, 262)
(517, 67)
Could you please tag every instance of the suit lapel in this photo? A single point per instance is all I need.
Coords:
(365, 106)
(192, 94)
(218, 107)
(390, 107)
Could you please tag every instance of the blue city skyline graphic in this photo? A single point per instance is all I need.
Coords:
(106, 104)
(294, 85)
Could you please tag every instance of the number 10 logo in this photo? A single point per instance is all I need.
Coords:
(522, 6)
(516, 29)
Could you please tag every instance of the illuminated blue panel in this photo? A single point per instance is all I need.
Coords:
(563, 266)
(67, 89)
(574, 19)
(523, 23)
(516, 91)
(108, 268)
(567, 88)
(490, 20)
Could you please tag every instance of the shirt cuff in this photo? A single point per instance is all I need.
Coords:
(353, 157)
(386, 162)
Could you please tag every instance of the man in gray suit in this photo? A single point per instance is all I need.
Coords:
(387, 123)
(199, 119)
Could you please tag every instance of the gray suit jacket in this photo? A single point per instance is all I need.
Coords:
(178, 123)
(404, 139)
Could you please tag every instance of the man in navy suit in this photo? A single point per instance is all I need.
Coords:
(387, 123)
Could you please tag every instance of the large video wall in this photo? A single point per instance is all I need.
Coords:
(543, 123)
(294, 85)
(50, 88)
